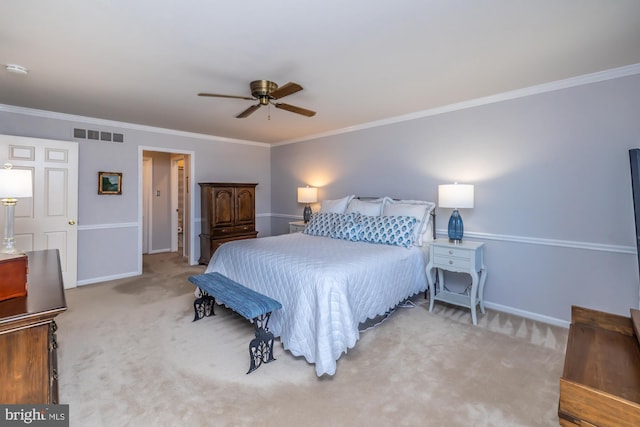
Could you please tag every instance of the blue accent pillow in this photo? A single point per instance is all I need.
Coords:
(388, 230)
(320, 224)
(324, 223)
(347, 227)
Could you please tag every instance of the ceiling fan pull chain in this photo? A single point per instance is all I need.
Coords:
(269, 111)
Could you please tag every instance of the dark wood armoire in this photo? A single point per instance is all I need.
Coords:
(228, 213)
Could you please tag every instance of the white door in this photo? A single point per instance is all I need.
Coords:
(48, 219)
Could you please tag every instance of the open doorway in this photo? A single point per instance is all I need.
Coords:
(166, 203)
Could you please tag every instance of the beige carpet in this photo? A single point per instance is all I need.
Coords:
(129, 355)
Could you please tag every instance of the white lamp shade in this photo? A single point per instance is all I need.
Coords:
(15, 183)
(307, 194)
(456, 196)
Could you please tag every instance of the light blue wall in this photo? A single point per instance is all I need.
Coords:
(553, 190)
(108, 226)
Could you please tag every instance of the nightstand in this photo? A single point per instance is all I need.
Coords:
(297, 226)
(464, 257)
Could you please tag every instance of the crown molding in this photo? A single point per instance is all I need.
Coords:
(585, 79)
(123, 125)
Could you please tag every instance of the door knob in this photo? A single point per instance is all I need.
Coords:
(72, 222)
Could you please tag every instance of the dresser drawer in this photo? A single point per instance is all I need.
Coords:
(232, 231)
(452, 253)
(242, 229)
(297, 226)
(216, 243)
(449, 262)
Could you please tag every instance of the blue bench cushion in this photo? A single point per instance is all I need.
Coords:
(244, 301)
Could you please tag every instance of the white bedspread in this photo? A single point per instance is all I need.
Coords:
(326, 286)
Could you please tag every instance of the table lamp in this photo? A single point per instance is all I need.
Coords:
(455, 196)
(14, 183)
(307, 195)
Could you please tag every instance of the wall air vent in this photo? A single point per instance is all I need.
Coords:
(98, 135)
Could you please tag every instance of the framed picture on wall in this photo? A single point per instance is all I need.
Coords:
(109, 183)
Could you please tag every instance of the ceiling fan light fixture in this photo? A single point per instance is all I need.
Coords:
(16, 69)
(260, 88)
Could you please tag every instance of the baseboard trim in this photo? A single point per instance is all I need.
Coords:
(528, 315)
(160, 251)
(107, 278)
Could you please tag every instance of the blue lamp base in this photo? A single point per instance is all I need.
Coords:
(456, 229)
(306, 215)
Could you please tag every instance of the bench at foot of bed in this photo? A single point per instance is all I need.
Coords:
(246, 302)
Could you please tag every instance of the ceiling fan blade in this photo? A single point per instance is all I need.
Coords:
(285, 90)
(294, 109)
(248, 111)
(217, 95)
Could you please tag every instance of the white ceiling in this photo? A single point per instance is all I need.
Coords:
(359, 61)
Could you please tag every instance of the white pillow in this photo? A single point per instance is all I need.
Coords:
(418, 209)
(336, 205)
(366, 207)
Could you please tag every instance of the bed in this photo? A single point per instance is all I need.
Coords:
(336, 275)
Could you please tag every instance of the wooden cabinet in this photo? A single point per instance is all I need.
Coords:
(600, 384)
(28, 360)
(228, 212)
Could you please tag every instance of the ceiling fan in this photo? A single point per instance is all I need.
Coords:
(265, 91)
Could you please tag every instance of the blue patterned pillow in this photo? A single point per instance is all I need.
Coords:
(388, 230)
(347, 228)
(324, 223)
(320, 224)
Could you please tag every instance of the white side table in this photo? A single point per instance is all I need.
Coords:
(465, 257)
(296, 226)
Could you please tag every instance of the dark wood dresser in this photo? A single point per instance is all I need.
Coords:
(228, 212)
(600, 384)
(28, 360)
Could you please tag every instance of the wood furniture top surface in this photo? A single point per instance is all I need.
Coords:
(228, 184)
(604, 360)
(601, 378)
(45, 293)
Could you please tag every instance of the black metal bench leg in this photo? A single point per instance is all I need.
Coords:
(203, 306)
(261, 347)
